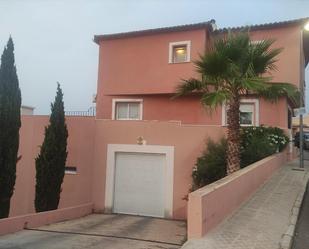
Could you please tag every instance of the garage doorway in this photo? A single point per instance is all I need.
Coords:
(139, 184)
(139, 180)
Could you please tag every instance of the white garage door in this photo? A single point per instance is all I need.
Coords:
(139, 184)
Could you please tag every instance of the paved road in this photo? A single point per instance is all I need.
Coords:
(301, 239)
(100, 231)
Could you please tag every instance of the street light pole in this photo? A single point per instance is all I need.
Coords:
(301, 141)
(301, 123)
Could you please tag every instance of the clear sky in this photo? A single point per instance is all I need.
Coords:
(53, 38)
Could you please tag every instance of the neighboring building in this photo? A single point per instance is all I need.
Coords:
(26, 110)
(147, 143)
(295, 123)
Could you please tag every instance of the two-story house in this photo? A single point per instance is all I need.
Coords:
(146, 142)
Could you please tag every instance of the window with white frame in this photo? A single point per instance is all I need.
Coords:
(127, 109)
(179, 52)
(248, 113)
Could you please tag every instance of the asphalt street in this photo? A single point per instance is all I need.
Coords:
(301, 237)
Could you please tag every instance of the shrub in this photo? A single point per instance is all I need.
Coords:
(256, 144)
(10, 101)
(211, 166)
(278, 137)
(254, 149)
(50, 163)
(260, 142)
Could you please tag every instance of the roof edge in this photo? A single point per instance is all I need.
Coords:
(209, 24)
(263, 26)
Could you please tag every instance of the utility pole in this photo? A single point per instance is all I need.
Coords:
(301, 141)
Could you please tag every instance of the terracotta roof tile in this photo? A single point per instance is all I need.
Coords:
(186, 27)
(264, 26)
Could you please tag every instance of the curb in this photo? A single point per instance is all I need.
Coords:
(287, 237)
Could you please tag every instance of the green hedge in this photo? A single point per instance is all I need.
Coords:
(256, 144)
(211, 166)
(260, 142)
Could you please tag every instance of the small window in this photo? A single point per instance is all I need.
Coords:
(246, 114)
(70, 170)
(127, 110)
(179, 52)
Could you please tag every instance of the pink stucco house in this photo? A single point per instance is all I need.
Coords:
(136, 156)
(138, 74)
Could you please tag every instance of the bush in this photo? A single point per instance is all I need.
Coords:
(260, 142)
(254, 149)
(256, 144)
(211, 166)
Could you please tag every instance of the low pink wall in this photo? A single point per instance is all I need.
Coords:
(14, 224)
(209, 205)
(76, 188)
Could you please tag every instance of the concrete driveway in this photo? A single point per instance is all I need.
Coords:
(101, 231)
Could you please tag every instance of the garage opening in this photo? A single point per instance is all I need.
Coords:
(139, 184)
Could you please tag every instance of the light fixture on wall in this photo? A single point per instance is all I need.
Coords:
(141, 141)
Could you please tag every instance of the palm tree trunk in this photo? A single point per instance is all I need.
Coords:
(233, 136)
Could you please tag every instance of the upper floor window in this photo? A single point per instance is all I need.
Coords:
(179, 52)
(127, 109)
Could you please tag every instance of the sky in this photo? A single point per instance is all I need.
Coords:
(54, 39)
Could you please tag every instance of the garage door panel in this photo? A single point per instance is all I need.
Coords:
(139, 184)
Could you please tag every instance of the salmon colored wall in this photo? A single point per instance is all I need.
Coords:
(139, 65)
(209, 205)
(87, 146)
(34, 220)
(189, 110)
(188, 140)
(128, 67)
(288, 64)
(76, 189)
(161, 107)
(274, 114)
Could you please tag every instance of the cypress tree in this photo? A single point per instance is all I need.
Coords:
(50, 163)
(10, 102)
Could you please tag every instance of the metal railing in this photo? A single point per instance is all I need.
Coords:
(91, 112)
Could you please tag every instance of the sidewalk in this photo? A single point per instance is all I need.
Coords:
(267, 220)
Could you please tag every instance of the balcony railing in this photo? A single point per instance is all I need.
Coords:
(91, 112)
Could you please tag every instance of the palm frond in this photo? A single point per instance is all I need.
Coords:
(189, 86)
(255, 84)
(234, 66)
(214, 99)
(275, 90)
(213, 65)
(263, 57)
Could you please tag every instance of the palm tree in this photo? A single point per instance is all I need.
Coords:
(234, 67)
